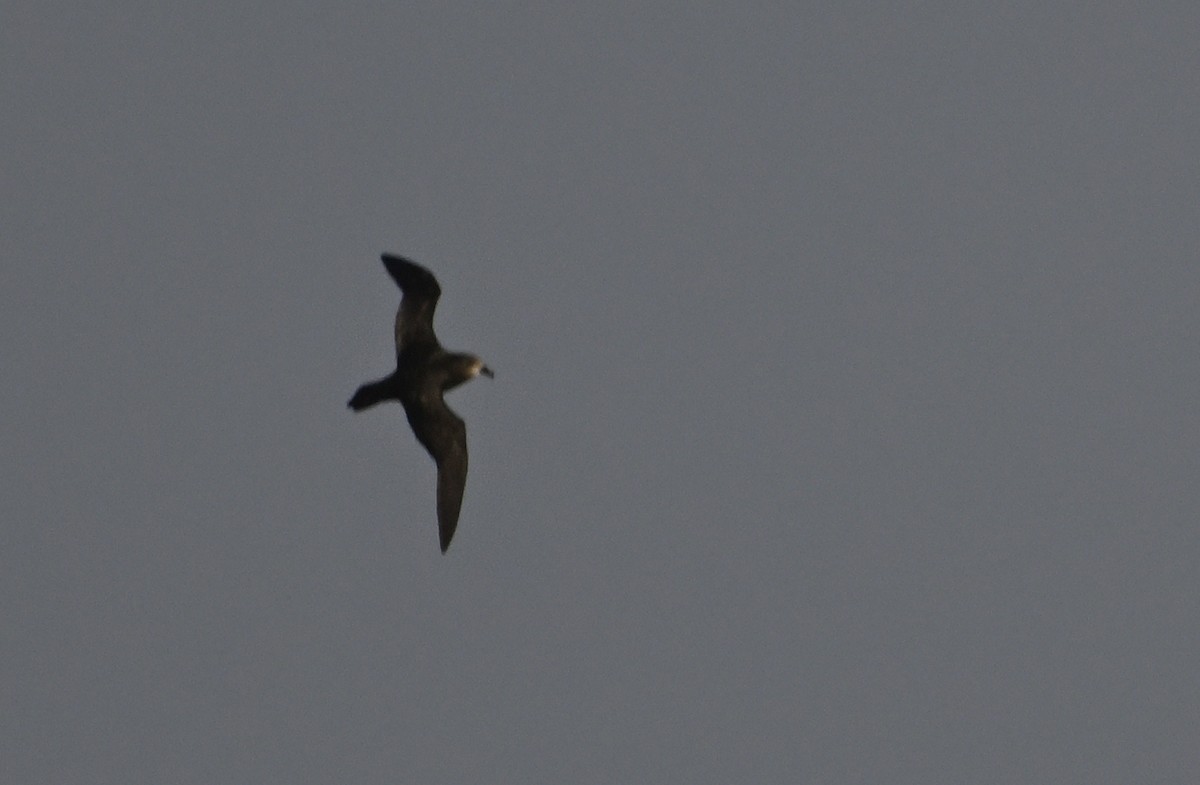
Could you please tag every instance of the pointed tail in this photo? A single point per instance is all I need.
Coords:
(371, 393)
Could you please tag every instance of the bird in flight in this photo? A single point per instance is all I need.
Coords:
(424, 371)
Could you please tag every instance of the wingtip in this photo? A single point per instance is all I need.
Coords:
(446, 533)
(411, 277)
(392, 263)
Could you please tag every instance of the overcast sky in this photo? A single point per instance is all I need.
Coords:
(844, 427)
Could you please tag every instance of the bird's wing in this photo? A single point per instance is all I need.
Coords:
(444, 435)
(414, 319)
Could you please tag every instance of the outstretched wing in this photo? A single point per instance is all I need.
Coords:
(444, 435)
(414, 319)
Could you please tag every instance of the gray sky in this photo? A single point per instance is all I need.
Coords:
(844, 426)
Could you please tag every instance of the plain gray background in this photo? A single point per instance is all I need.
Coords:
(844, 427)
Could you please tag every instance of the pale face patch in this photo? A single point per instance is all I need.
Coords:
(478, 368)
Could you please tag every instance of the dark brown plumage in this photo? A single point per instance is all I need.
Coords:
(424, 371)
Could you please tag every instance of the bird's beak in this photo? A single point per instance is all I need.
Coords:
(486, 371)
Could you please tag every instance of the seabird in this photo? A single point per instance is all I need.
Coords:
(424, 371)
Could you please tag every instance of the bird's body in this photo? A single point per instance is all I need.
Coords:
(424, 371)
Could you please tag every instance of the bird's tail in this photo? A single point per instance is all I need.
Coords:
(370, 394)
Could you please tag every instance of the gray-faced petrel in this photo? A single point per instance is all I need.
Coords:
(424, 371)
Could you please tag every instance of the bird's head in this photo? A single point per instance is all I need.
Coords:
(456, 369)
